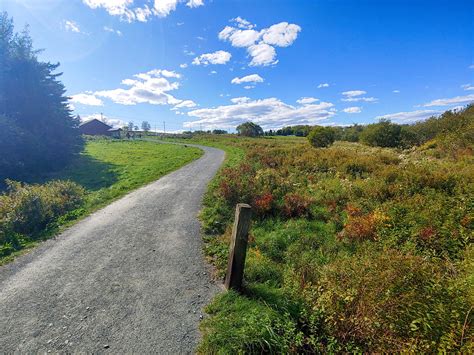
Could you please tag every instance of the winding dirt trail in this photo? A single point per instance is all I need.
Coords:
(129, 278)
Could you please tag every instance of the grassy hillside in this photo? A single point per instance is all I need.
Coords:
(352, 248)
(105, 171)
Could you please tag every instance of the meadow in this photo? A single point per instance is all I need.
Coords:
(106, 170)
(353, 248)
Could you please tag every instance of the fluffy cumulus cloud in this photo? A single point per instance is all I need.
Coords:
(353, 109)
(270, 113)
(458, 100)
(152, 87)
(260, 44)
(467, 87)
(357, 96)
(323, 85)
(411, 116)
(253, 79)
(71, 26)
(129, 11)
(307, 100)
(218, 57)
(88, 98)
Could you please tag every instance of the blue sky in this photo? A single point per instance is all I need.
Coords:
(217, 63)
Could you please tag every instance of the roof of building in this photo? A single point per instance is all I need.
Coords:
(94, 120)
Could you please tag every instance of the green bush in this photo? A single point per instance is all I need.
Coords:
(388, 301)
(27, 210)
(382, 134)
(321, 137)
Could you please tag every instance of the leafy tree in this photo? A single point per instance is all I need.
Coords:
(382, 134)
(321, 137)
(130, 126)
(249, 129)
(37, 131)
(146, 126)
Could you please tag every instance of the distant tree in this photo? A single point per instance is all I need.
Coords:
(136, 128)
(219, 131)
(321, 137)
(37, 131)
(130, 126)
(249, 129)
(382, 134)
(146, 126)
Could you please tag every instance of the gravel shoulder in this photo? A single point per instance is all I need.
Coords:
(131, 277)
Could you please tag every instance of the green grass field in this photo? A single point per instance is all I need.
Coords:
(107, 169)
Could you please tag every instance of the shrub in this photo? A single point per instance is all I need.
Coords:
(390, 302)
(382, 134)
(26, 210)
(321, 137)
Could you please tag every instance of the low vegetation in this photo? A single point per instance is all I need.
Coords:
(353, 248)
(106, 170)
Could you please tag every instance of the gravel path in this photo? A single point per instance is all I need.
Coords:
(128, 278)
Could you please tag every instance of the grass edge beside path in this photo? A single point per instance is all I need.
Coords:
(120, 179)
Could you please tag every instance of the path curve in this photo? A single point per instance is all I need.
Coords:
(129, 278)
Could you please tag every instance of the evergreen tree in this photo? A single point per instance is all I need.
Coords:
(37, 131)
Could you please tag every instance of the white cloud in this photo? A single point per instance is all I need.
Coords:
(471, 66)
(195, 3)
(183, 66)
(218, 57)
(239, 38)
(396, 91)
(110, 29)
(260, 44)
(307, 100)
(240, 100)
(269, 113)
(186, 104)
(128, 11)
(451, 101)
(409, 117)
(262, 55)
(467, 87)
(242, 23)
(356, 96)
(71, 26)
(354, 93)
(323, 85)
(358, 99)
(87, 98)
(353, 109)
(152, 87)
(282, 34)
(253, 78)
(249, 87)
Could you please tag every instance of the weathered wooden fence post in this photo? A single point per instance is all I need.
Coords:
(238, 247)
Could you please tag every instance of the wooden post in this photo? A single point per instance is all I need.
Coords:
(238, 247)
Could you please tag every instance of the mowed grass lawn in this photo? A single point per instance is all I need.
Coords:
(109, 169)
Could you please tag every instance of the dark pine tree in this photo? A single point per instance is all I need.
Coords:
(37, 131)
